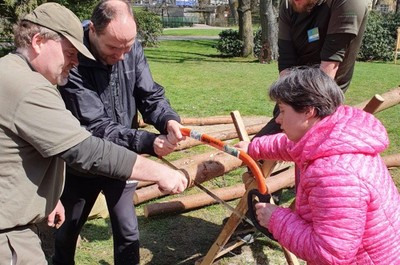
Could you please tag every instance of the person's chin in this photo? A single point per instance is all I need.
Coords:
(62, 81)
(112, 62)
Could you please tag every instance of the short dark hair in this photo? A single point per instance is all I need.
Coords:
(305, 87)
(103, 13)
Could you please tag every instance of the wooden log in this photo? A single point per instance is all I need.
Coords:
(206, 120)
(392, 160)
(391, 98)
(142, 184)
(199, 168)
(194, 201)
(282, 180)
(198, 121)
(373, 105)
(221, 135)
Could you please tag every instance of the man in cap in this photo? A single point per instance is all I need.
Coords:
(37, 134)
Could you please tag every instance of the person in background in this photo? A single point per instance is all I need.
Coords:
(106, 95)
(327, 33)
(38, 134)
(347, 206)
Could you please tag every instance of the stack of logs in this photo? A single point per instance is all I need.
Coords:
(206, 166)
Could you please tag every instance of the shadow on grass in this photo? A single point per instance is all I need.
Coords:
(183, 239)
(170, 54)
(175, 239)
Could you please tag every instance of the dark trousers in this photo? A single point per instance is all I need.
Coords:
(78, 198)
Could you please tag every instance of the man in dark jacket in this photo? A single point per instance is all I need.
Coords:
(106, 96)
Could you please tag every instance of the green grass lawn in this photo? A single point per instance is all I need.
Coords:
(199, 82)
(192, 32)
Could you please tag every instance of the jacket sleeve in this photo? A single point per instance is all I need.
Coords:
(331, 213)
(152, 102)
(86, 105)
(273, 147)
(97, 156)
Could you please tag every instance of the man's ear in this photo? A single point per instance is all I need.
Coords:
(91, 27)
(37, 42)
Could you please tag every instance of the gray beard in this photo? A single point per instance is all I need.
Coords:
(308, 8)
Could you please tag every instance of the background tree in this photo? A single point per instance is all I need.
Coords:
(83, 9)
(11, 11)
(232, 7)
(245, 27)
(269, 30)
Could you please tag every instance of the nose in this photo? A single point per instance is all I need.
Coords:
(121, 56)
(279, 119)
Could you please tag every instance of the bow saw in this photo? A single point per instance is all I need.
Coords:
(261, 193)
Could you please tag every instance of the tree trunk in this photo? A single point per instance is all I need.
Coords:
(269, 31)
(397, 6)
(375, 3)
(246, 27)
(232, 7)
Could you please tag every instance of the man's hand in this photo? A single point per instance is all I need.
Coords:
(57, 217)
(174, 133)
(330, 68)
(162, 146)
(175, 183)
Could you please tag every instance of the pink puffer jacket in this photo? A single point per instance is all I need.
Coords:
(347, 206)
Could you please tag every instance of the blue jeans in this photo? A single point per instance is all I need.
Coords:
(78, 198)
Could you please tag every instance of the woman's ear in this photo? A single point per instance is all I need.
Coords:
(311, 112)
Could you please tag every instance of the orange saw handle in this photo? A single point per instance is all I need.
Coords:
(262, 188)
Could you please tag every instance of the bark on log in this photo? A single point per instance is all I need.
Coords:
(194, 201)
(392, 160)
(391, 98)
(221, 135)
(198, 168)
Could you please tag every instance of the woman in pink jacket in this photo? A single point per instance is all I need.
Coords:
(347, 206)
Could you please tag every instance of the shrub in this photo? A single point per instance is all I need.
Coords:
(229, 43)
(379, 37)
(257, 43)
(149, 26)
